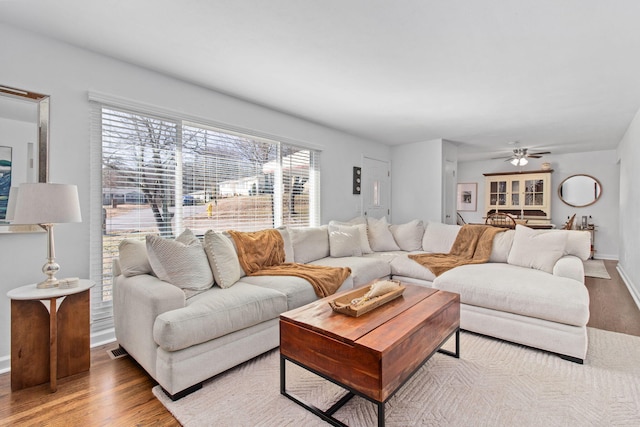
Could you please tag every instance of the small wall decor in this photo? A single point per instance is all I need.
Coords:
(357, 180)
(5, 179)
(467, 196)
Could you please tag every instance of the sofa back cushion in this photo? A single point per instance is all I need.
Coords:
(408, 236)
(502, 246)
(578, 243)
(309, 243)
(288, 246)
(438, 237)
(181, 262)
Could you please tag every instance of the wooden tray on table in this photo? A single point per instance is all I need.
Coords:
(343, 304)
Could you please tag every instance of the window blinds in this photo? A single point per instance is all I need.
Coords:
(161, 175)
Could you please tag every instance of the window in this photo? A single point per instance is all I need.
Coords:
(162, 175)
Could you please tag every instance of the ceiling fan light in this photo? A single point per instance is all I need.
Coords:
(519, 161)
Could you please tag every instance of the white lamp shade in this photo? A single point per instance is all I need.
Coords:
(47, 203)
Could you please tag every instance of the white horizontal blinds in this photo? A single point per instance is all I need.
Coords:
(227, 180)
(298, 180)
(138, 181)
(162, 175)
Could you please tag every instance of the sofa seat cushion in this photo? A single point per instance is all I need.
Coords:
(402, 265)
(297, 290)
(363, 269)
(215, 313)
(519, 290)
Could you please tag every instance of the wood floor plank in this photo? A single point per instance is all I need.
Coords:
(118, 392)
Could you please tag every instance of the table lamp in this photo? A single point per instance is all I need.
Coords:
(45, 204)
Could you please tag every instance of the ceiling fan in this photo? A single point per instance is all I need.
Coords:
(520, 156)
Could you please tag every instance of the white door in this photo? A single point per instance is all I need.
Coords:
(376, 188)
(449, 193)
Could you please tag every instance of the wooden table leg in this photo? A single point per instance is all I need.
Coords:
(53, 345)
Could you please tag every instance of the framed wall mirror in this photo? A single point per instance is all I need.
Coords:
(580, 190)
(24, 146)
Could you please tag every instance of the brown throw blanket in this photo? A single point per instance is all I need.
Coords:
(472, 246)
(261, 253)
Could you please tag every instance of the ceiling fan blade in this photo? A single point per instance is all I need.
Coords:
(503, 157)
(540, 153)
(533, 156)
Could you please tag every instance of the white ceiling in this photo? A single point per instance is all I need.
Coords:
(559, 75)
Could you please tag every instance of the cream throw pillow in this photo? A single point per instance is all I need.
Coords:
(408, 236)
(133, 258)
(223, 259)
(365, 248)
(380, 237)
(344, 240)
(536, 248)
(181, 262)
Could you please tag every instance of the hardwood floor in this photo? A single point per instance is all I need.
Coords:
(612, 307)
(118, 392)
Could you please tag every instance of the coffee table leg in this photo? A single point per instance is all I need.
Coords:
(380, 414)
(456, 353)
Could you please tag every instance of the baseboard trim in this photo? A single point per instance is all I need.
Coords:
(5, 364)
(629, 284)
(106, 336)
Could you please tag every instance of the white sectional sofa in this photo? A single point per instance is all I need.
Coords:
(183, 332)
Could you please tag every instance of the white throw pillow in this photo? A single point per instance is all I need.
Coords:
(439, 237)
(181, 262)
(537, 249)
(133, 258)
(408, 236)
(380, 237)
(365, 248)
(309, 243)
(223, 258)
(344, 240)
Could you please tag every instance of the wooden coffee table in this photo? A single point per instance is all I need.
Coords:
(373, 355)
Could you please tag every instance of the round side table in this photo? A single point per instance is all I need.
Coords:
(49, 334)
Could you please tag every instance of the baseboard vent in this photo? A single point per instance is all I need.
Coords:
(117, 353)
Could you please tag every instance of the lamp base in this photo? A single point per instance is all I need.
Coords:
(50, 268)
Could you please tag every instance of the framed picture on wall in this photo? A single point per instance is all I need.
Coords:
(467, 196)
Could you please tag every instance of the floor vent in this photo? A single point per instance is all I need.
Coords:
(117, 353)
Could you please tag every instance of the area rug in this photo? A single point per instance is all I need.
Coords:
(494, 383)
(595, 268)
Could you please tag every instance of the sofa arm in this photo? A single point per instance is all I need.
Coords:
(571, 267)
(137, 301)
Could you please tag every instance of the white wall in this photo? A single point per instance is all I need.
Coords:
(67, 74)
(629, 154)
(416, 181)
(600, 164)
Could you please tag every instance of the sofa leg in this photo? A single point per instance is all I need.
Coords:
(183, 393)
(571, 359)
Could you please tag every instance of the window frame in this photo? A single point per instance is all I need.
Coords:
(101, 309)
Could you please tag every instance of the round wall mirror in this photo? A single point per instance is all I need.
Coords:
(580, 190)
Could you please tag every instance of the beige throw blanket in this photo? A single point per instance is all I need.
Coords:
(472, 246)
(261, 253)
